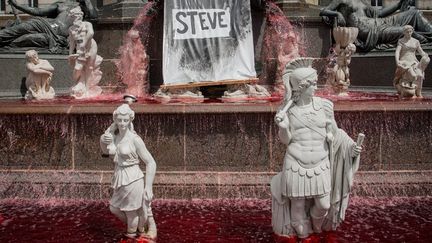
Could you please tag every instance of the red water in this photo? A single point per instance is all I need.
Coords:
(353, 96)
(367, 220)
(132, 67)
(281, 43)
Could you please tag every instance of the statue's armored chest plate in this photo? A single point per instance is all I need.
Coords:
(307, 116)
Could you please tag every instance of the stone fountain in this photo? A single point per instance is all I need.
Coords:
(208, 150)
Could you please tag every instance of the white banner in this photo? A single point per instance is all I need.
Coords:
(196, 23)
(207, 41)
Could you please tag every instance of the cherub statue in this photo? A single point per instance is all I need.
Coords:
(85, 61)
(341, 76)
(311, 192)
(38, 77)
(133, 190)
(409, 73)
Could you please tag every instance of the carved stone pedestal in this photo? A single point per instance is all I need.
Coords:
(122, 9)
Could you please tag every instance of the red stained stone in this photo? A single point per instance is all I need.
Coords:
(285, 239)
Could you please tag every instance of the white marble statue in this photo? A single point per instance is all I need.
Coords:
(39, 75)
(83, 57)
(409, 73)
(133, 192)
(236, 92)
(311, 192)
(339, 78)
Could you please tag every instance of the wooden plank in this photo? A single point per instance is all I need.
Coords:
(209, 83)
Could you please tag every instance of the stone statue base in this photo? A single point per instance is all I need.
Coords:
(245, 92)
(338, 89)
(80, 91)
(185, 95)
(123, 9)
(42, 94)
(406, 89)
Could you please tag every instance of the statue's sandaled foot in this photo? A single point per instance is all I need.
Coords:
(130, 235)
(152, 230)
(285, 238)
(300, 230)
(128, 238)
(150, 233)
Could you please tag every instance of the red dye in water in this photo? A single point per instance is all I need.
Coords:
(367, 220)
(281, 44)
(133, 66)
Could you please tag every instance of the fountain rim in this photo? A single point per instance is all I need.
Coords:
(44, 107)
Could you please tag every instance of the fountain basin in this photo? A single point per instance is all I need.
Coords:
(209, 150)
(398, 219)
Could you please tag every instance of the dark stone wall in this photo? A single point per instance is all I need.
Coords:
(207, 141)
(378, 68)
(202, 151)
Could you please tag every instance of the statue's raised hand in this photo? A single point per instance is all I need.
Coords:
(282, 120)
(356, 150)
(107, 138)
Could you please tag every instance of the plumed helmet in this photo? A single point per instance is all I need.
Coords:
(296, 71)
(300, 74)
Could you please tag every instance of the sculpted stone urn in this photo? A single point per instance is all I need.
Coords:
(339, 77)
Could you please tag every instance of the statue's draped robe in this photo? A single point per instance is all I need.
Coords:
(35, 32)
(343, 167)
(381, 32)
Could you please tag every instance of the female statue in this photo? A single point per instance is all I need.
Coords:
(409, 74)
(311, 193)
(133, 191)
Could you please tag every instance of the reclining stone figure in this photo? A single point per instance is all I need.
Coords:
(48, 30)
(379, 28)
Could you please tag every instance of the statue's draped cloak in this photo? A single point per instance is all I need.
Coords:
(383, 30)
(35, 32)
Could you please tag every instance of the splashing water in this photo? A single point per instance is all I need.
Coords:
(281, 43)
(133, 66)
